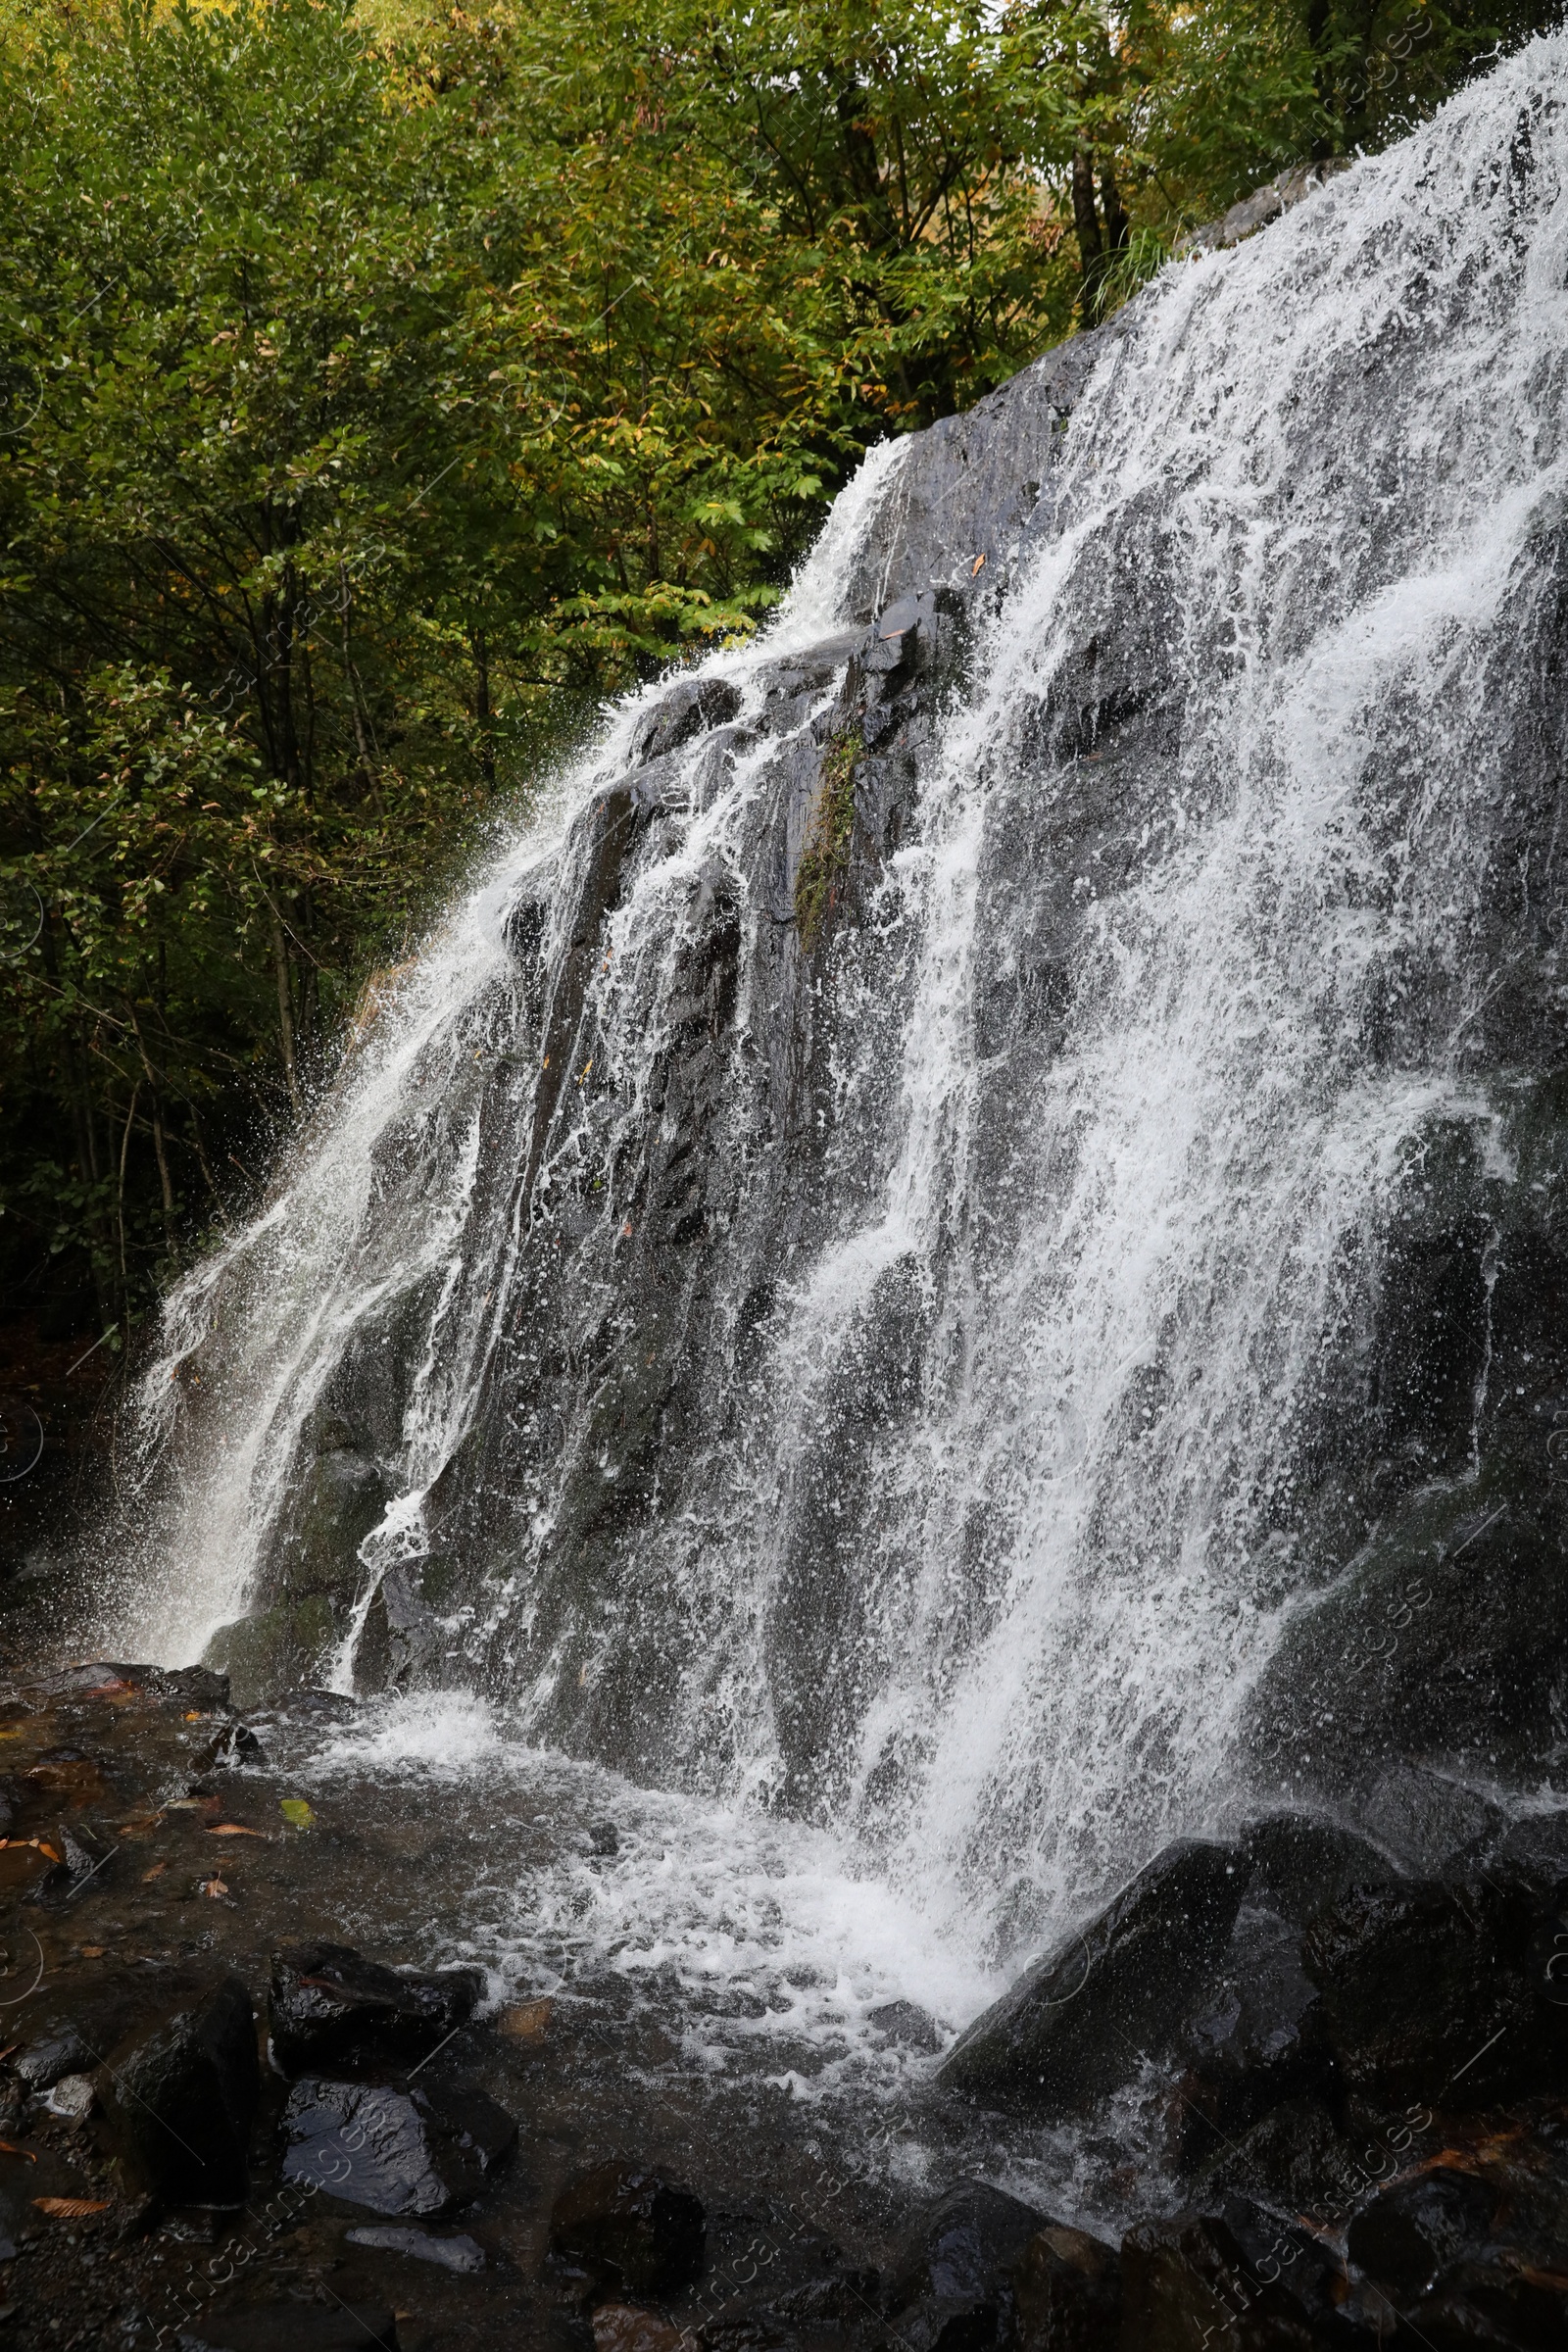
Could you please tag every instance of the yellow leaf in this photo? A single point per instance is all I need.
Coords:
(296, 1812)
(527, 2021)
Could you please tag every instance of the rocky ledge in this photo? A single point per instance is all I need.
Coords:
(222, 2126)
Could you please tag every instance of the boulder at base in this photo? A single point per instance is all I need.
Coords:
(327, 2003)
(1066, 2289)
(1081, 2020)
(179, 2096)
(955, 2283)
(395, 2150)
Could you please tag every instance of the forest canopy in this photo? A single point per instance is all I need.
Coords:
(378, 392)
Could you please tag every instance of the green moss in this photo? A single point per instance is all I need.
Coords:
(826, 856)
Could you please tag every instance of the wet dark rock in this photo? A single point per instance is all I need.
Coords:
(1293, 2158)
(78, 2022)
(398, 2150)
(909, 2025)
(1449, 1631)
(292, 2327)
(1248, 2044)
(323, 1706)
(327, 2003)
(977, 485)
(1189, 2281)
(1081, 2020)
(605, 1838)
(689, 709)
(1066, 2289)
(1415, 2230)
(630, 2228)
(188, 1687)
(452, 2253)
(1427, 1817)
(85, 1854)
(1297, 1864)
(234, 1748)
(1496, 2304)
(179, 2094)
(1422, 1997)
(1546, 1964)
(843, 2301)
(1534, 1851)
(953, 2288)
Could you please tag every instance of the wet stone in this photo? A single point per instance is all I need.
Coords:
(1066, 2290)
(179, 2096)
(1292, 2156)
(395, 2150)
(1420, 1997)
(1495, 2301)
(455, 2253)
(1415, 2230)
(1081, 2020)
(1534, 1851)
(328, 2003)
(1189, 2282)
(622, 2226)
(953, 2288)
(1297, 1864)
(909, 2025)
(686, 711)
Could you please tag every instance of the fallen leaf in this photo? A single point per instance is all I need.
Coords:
(232, 1829)
(623, 2327)
(194, 1716)
(93, 1951)
(213, 1887)
(143, 1828)
(296, 1812)
(527, 2021)
(157, 1870)
(7, 2147)
(71, 2209)
(975, 566)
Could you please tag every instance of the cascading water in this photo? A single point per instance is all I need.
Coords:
(914, 1357)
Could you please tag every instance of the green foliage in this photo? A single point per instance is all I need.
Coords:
(377, 397)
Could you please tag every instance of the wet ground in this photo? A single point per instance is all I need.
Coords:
(710, 1996)
(750, 2025)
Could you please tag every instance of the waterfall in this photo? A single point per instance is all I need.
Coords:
(918, 1376)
